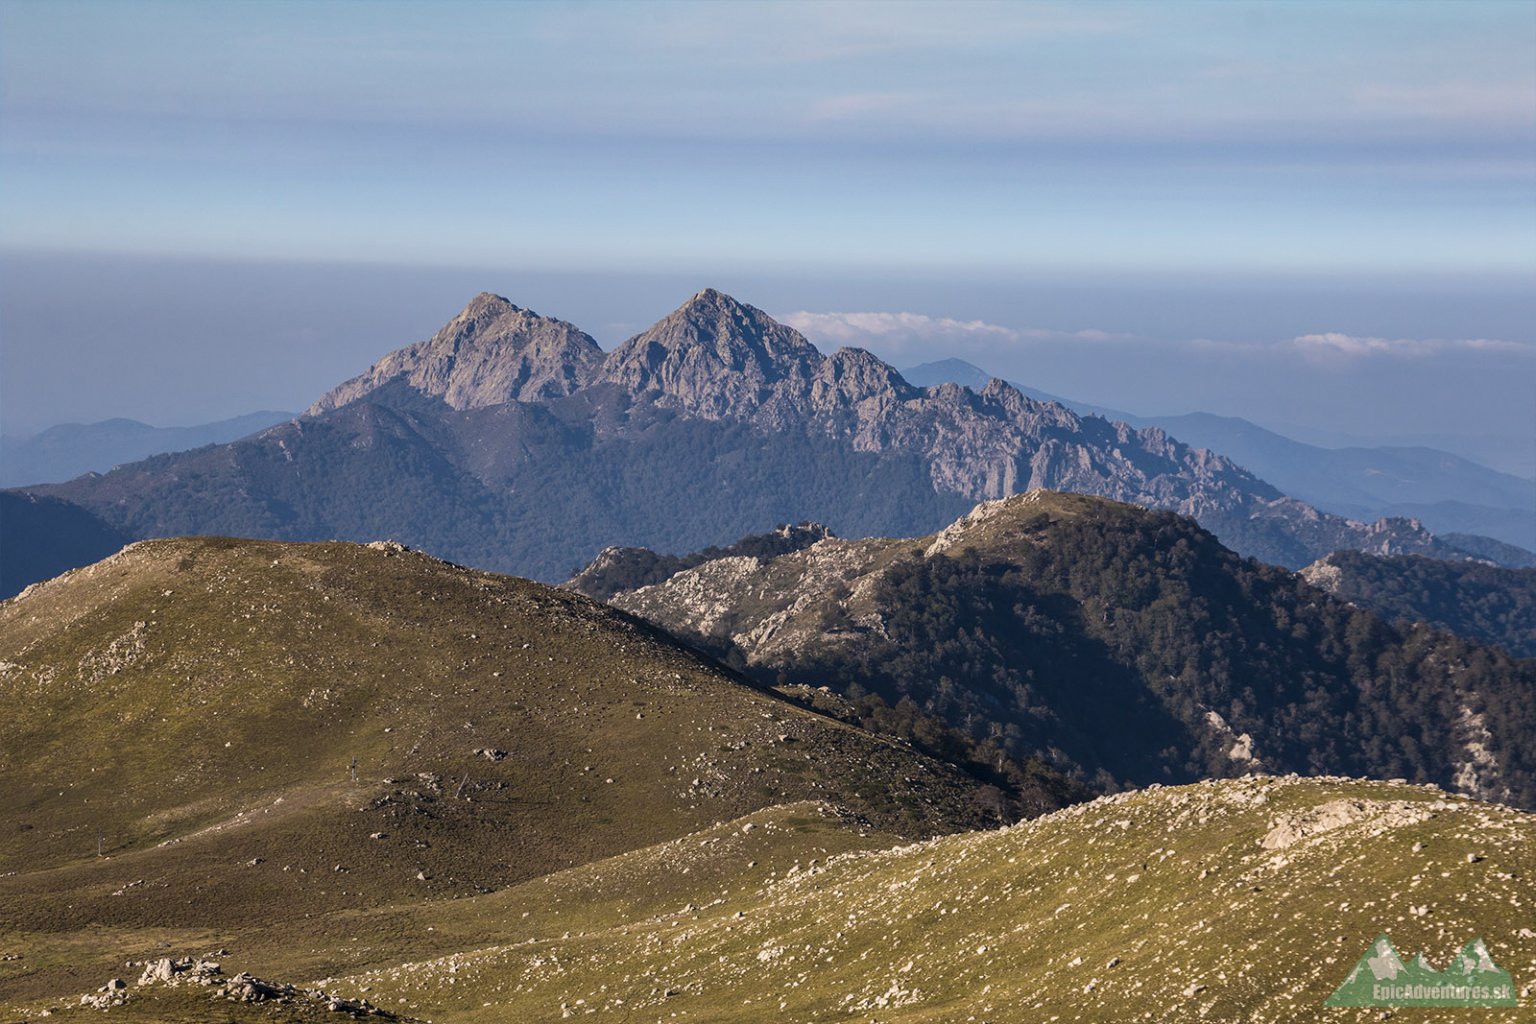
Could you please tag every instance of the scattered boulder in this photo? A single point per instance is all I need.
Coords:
(1377, 815)
(241, 988)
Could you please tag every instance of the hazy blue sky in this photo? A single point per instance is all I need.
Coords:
(1313, 213)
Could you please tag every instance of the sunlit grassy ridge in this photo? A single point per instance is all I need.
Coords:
(1162, 905)
(196, 708)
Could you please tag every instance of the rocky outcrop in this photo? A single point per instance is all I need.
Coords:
(617, 569)
(1379, 816)
(176, 972)
(719, 359)
(491, 353)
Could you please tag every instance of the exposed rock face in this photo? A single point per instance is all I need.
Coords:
(716, 358)
(491, 353)
(719, 359)
(617, 569)
(240, 988)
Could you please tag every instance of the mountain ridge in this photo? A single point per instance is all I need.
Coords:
(1124, 645)
(1447, 492)
(1481, 602)
(714, 423)
(67, 450)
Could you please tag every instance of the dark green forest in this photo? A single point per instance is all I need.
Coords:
(1481, 602)
(1103, 644)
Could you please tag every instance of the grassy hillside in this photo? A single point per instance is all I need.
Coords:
(1235, 900)
(1161, 905)
(212, 737)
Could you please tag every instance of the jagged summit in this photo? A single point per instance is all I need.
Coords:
(713, 319)
(713, 297)
(493, 352)
(717, 357)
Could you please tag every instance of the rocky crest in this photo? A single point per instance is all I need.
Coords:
(491, 353)
(717, 358)
(177, 972)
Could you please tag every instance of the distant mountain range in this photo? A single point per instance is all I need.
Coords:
(70, 449)
(511, 441)
(1122, 644)
(1447, 493)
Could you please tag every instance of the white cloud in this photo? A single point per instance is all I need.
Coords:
(902, 334)
(1335, 345)
(907, 336)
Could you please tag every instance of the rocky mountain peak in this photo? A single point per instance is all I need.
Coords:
(491, 353)
(739, 334)
(713, 298)
(485, 307)
(716, 357)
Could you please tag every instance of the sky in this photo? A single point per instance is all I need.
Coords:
(1316, 215)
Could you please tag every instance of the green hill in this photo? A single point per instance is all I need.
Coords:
(195, 707)
(1229, 901)
(211, 737)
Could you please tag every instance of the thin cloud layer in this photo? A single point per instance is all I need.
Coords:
(905, 333)
(908, 335)
(1334, 344)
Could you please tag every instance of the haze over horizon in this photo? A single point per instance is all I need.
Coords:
(1312, 214)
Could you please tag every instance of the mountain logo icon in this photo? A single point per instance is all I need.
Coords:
(1382, 978)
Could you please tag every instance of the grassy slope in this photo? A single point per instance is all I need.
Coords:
(197, 704)
(649, 883)
(1027, 923)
